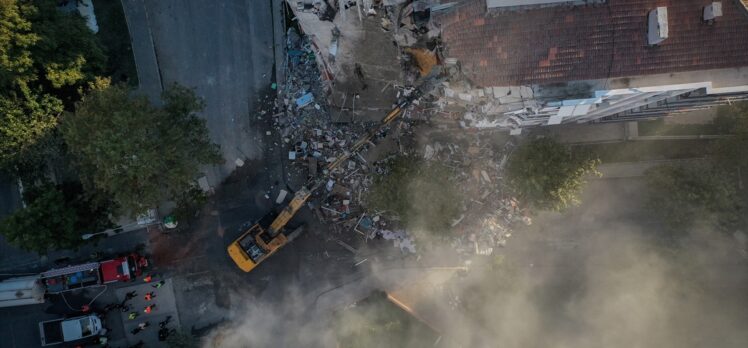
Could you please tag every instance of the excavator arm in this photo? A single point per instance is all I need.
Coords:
(239, 253)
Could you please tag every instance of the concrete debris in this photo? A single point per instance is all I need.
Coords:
(281, 196)
(313, 141)
(400, 238)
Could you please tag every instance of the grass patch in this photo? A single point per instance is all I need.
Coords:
(115, 38)
(632, 151)
(376, 322)
(659, 127)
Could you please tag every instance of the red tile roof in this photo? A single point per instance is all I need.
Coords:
(562, 43)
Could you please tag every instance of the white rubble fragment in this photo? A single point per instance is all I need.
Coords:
(455, 222)
(239, 162)
(449, 93)
(292, 155)
(281, 196)
(465, 97)
(429, 152)
(330, 184)
(485, 176)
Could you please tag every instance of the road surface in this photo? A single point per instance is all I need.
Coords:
(222, 49)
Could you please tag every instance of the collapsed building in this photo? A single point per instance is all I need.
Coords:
(354, 47)
(517, 64)
(512, 64)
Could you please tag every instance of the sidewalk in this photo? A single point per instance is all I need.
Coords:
(165, 306)
(14, 260)
(143, 49)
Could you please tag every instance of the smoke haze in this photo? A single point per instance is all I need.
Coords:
(601, 275)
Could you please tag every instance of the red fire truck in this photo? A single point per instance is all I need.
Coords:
(120, 269)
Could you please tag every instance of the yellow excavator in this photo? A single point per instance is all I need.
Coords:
(262, 240)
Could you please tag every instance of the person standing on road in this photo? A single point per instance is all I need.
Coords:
(149, 308)
(149, 296)
(131, 295)
(132, 315)
(148, 278)
(159, 284)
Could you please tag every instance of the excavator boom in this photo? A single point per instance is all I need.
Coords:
(251, 248)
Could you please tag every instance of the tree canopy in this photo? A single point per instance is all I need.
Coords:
(138, 153)
(47, 60)
(418, 192)
(16, 39)
(693, 192)
(55, 218)
(549, 175)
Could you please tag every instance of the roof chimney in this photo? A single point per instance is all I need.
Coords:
(712, 11)
(658, 30)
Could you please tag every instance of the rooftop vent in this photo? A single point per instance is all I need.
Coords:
(712, 11)
(658, 30)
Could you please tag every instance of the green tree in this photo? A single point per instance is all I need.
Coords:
(181, 339)
(26, 130)
(684, 194)
(55, 218)
(138, 153)
(47, 58)
(67, 56)
(418, 192)
(549, 175)
(16, 39)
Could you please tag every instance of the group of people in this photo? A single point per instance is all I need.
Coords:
(149, 296)
(125, 307)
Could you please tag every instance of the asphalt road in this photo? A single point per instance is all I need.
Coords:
(225, 51)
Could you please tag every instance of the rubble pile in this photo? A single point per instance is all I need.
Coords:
(313, 141)
(488, 212)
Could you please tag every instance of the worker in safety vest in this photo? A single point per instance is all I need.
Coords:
(149, 308)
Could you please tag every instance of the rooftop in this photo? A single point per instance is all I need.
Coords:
(588, 42)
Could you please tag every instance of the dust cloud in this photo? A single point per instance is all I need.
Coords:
(604, 274)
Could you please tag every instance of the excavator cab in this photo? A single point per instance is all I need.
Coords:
(254, 246)
(258, 242)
